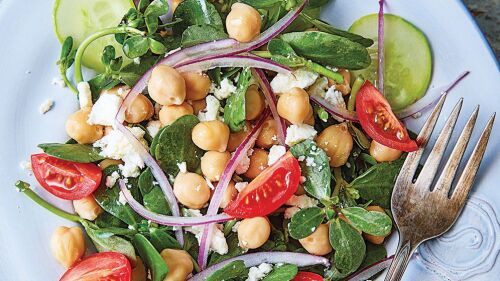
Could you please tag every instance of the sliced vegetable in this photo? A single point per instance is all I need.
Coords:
(335, 110)
(65, 179)
(368, 272)
(108, 266)
(307, 276)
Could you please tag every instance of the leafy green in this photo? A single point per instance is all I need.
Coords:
(317, 173)
(328, 49)
(80, 153)
(155, 141)
(152, 195)
(234, 111)
(284, 272)
(233, 270)
(371, 222)
(191, 244)
(305, 222)
(161, 239)
(196, 12)
(130, 73)
(66, 60)
(136, 46)
(197, 34)
(176, 146)
(151, 257)
(374, 253)
(153, 11)
(106, 219)
(376, 183)
(276, 242)
(349, 246)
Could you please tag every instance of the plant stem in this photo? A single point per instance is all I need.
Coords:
(24, 187)
(101, 33)
(262, 54)
(337, 77)
(339, 181)
(62, 72)
(351, 104)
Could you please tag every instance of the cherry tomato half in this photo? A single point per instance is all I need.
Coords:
(307, 276)
(379, 122)
(65, 179)
(105, 266)
(268, 191)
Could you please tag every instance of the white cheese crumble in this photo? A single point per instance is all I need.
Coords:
(336, 98)
(111, 179)
(137, 60)
(84, 94)
(319, 87)
(46, 106)
(289, 212)
(310, 162)
(153, 127)
(300, 78)
(116, 146)
(26, 165)
(302, 201)
(240, 185)
(104, 110)
(58, 81)
(211, 112)
(275, 153)
(182, 167)
(257, 273)
(298, 133)
(218, 243)
(225, 90)
(244, 163)
(235, 227)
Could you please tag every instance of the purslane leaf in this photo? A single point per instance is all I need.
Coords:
(305, 222)
(80, 153)
(371, 222)
(349, 246)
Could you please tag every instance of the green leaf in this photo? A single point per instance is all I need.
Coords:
(191, 244)
(371, 222)
(328, 49)
(305, 222)
(80, 153)
(374, 253)
(196, 12)
(136, 46)
(197, 34)
(376, 183)
(284, 272)
(130, 73)
(283, 53)
(100, 83)
(156, 9)
(234, 111)
(152, 259)
(176, 146)
(152, 195)
(157, 47)
(315, 168)
(262, 4)
(156, 139)
(108, 54)
(276, 242)
(233, 270)
(349, 246)
(66, 48)
(106, 219)
(161, 239)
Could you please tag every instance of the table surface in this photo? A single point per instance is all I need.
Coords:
(487, 15)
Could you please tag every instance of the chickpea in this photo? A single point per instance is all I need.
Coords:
(166, 86)
(197, 85)
(382, 153)
(318, 243)
(213, 164)
(258, 163)
(139, 110)
(139, 271)
(243, 23)
(211, 135)
(310, 118)
(198, 105)
(254, 232)
(344, 88)
(229, 195)
(81, 131)
(191, 190)
(175, 3)
(235, 139)
(67, 245)
(169, 113)
(337, 142)
(109, 162)
(87, 208)
(377, 240)
(268, 135)
(294, 106)
(254, 103)
(179, 264)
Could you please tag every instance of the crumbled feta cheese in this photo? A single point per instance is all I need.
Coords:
(182, 167)
(310, 162)
(302, 201)
(300, 78)
(289, 212)
(319, 87)
(111, 179)
(116, 146)
(301, 158)
(225, 90)
(335, 97)
(137, 60)
(25, 165)
(275, 153)
(153, 127)
(84, 94)
(257, 273)
(244, 163)
(240, 185)
(235, 226)
(104, 110)
(218, 243)
(121, 198)
(121, 91)
(57, 81)
(46, 106)
(298, 133)
(211, 112)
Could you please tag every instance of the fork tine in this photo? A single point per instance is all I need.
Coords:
(432, 163)
(448, 174)
(470, 171)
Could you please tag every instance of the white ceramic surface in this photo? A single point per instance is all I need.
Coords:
(28, 53)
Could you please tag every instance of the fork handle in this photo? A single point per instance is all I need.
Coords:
(400, 261)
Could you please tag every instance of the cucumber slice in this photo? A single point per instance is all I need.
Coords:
(81, 18)
(408, 59)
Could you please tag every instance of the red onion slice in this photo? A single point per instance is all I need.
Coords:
(381, 55)
(369, 271)
(169, 220)
(260, 76)
(234, 61)
(255, 259)
(335, 110)
(240, 152)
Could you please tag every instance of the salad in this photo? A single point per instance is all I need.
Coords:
(230, 140)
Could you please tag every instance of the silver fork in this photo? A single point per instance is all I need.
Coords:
(421, 212)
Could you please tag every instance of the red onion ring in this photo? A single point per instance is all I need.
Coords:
(369, 271)
(169, 220)
(260, 76)
(234, 61)
(254, 259)
(381, 55)
(335, 110)
(240, 152)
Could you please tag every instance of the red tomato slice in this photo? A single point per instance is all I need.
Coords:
(307, 276)
(105, 266)
(379, 122)
(65, 179)
(268, 191)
